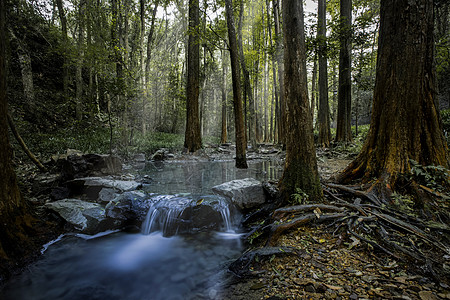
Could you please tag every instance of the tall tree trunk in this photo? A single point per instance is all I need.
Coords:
(300, 170)
(142, 65)
(279, 53)
(344, 129)
(405, 122)
(79, 68)
(63, 20)
(241, 141)
(273, 126)
(223, 134)
(15, 225)
(314, 87)
(193, 139)
(324, 107)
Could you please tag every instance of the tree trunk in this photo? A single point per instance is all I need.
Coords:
(279, 53)
(241, 141)
(223, 135)
(324, 107)
(314, 87)
(273, 127)
(15, 225)
(193, 139)
(300, 170)
(405, 120)
(142, 65)
(63, 20)
(344, 129)
(79, 69)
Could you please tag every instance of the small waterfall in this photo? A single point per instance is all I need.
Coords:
(176, 214)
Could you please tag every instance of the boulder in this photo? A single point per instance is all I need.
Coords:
(131, 205)
(244, 193)
(159, 155)
(85, 216)
(91, 187)
(75, 166)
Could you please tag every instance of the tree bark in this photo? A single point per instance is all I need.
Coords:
(279, 54)
(300, 171)
(63, 20)
(247, 86)
(324, 107)
(193, 139)
(405, 120)
(15, 225)
(344, 115)
(223, 135)
(241, 141)
(79, 69)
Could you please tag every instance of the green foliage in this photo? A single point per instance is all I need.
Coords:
(435, 177)
(404, 203)
(299, 197)
(157, 140)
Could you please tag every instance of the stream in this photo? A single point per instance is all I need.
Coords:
(158, 262)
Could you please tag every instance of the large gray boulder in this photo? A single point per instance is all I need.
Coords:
(92, 186)
(85, 216)
(132, 205)
(244, 193)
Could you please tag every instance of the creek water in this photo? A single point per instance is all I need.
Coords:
(150, 264)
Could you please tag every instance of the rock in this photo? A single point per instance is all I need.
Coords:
(75, 166)
(159, 155)
(129, 206)
(106, 195)
(427, 295)
(244, 193)
(91, 186)
(139, 158)
(59, 193)
(85, 216)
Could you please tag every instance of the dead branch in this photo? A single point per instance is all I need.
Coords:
(362, 194)
(281, 212)
(24, 146)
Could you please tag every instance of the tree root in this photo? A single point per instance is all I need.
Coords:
(406, 238)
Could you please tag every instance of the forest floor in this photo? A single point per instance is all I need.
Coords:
(325, 263)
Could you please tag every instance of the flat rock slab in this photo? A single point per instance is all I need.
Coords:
(93, 186)
(85, 216)
(244, 193)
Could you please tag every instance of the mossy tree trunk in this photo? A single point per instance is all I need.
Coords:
(405, 120)
(15, 222)
(241, 140)
(300, 170)
(193, 139)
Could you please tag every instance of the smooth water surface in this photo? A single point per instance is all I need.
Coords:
(144, 266)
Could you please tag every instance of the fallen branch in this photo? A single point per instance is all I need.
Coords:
(24, 146)
(362, 194)
(281, 212)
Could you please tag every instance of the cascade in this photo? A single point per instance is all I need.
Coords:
(177, 214)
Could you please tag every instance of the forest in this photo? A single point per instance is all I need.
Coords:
(339, 109)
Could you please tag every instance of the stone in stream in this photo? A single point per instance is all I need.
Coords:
(74, 166)
(91, 186)
(244, 193)
(85, 216)
(132, 205)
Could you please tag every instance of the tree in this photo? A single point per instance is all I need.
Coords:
(405, 122)
(241, 141)
(16, 221)
(193, 139)
(300, 170)
(324, 108)
(343, 128)
(223, 131)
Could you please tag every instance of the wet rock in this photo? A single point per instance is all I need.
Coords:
(160, 154)
(106, 195)
(90, 187)
(76, 166)
(59, 193)
(244, 193)
(85, 216)
(132, 206)
(139, 158)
